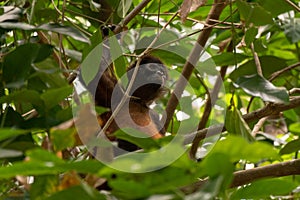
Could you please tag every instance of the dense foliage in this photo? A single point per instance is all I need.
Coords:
(252, 50)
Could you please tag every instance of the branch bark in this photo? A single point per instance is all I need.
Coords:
(272, 108)
(247, 176)
(194, 56)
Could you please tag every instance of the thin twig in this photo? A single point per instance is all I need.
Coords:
(131, 15)
(256, 60)
(278, 73)
(293, 5)
(258, 125)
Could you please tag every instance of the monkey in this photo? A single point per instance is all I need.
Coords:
(149, 84)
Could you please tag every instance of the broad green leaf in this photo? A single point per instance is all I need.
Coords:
(42, 162)
(263, 189)
(24, 96)
(237, 148)
(16, 25)
(235, 124)
(266, 61)
(81, 191)
(291, 147)
(250, 35)
(17, 64)
(124, 7)
(53, 97)
(226, 58)
(275, 7)
(117, 57)
(65, 30)
(90, 66)
(62, 139)
(257, 86)
(10, 13)
(292, 30)
(253, 13)
(208, 191)
(138, 138)
(6, 133)
(295, 128)
(9, 153)
(43, 186)
(96, 39)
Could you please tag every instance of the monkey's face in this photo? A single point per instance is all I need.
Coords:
(149, 82)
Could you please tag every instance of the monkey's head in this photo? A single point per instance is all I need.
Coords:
(149, 83)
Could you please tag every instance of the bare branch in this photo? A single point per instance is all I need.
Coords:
(247, 176)
(278, 73)
(272, 108)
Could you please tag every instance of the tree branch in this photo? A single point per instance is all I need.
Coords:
(271, 108)
(194, 56)
(247, 176)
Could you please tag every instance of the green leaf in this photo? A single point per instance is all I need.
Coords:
(16, 25)
(6, 133)
(249, 67)
(11, 13)
(258, 86)
(53, 97)
(123, 7)
(235, 124)
(42, 162)
(96, 39)
(138, 138)
(62, 139)
(253, 13)
(82, 191)
(263, 189)
(226, 59)
(117, 56)
(295, 128)
(43, 186)
(237, 148)
(9, 153)
(65, 30)
(292, 30)
(275, 7)
(291, 147)
(17, 64)
(24, 96)
(250, 35)
(208, 191)
(90, 66)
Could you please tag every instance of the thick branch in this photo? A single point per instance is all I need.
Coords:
(194, 56)
(272, 108)
(247, 176)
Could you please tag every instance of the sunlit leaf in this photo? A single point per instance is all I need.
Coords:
(257, 86)
(54, 96)
(65, 30)
(238, 148)
(235, 124)
(291, 147)
(262, 189)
